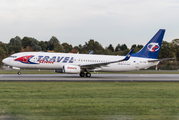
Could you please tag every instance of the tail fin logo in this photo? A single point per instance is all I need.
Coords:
(153, 47)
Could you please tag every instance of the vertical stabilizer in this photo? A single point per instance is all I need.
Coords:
(152, 48)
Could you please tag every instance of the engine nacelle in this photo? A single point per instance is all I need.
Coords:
(71, 69)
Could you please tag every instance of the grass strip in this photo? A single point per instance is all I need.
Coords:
(89, 100)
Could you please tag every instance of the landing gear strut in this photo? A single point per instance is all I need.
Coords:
(19, 73)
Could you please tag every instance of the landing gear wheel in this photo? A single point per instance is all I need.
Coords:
(19, 73)
(88, 74)
(82, 74)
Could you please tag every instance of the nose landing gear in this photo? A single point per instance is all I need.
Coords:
(19, 73)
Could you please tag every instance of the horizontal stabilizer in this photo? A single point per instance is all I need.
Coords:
(161, 59)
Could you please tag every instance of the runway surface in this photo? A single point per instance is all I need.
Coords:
(94, 77)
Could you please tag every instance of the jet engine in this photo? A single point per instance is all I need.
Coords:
(69, 69)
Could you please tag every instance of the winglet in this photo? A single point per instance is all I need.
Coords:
(128, 55)
(91, 52)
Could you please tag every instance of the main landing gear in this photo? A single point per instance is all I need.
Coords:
(82, 74)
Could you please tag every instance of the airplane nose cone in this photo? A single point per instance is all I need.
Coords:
(5, 61)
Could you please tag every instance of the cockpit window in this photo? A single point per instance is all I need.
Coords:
(12, 56)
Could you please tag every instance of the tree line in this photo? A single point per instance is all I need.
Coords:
(26, 44)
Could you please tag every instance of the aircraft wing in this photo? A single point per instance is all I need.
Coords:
(95, 65)
(161, 59)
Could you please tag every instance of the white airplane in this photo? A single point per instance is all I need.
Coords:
(83, 64)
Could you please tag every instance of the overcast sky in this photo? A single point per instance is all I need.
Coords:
(77, 21)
